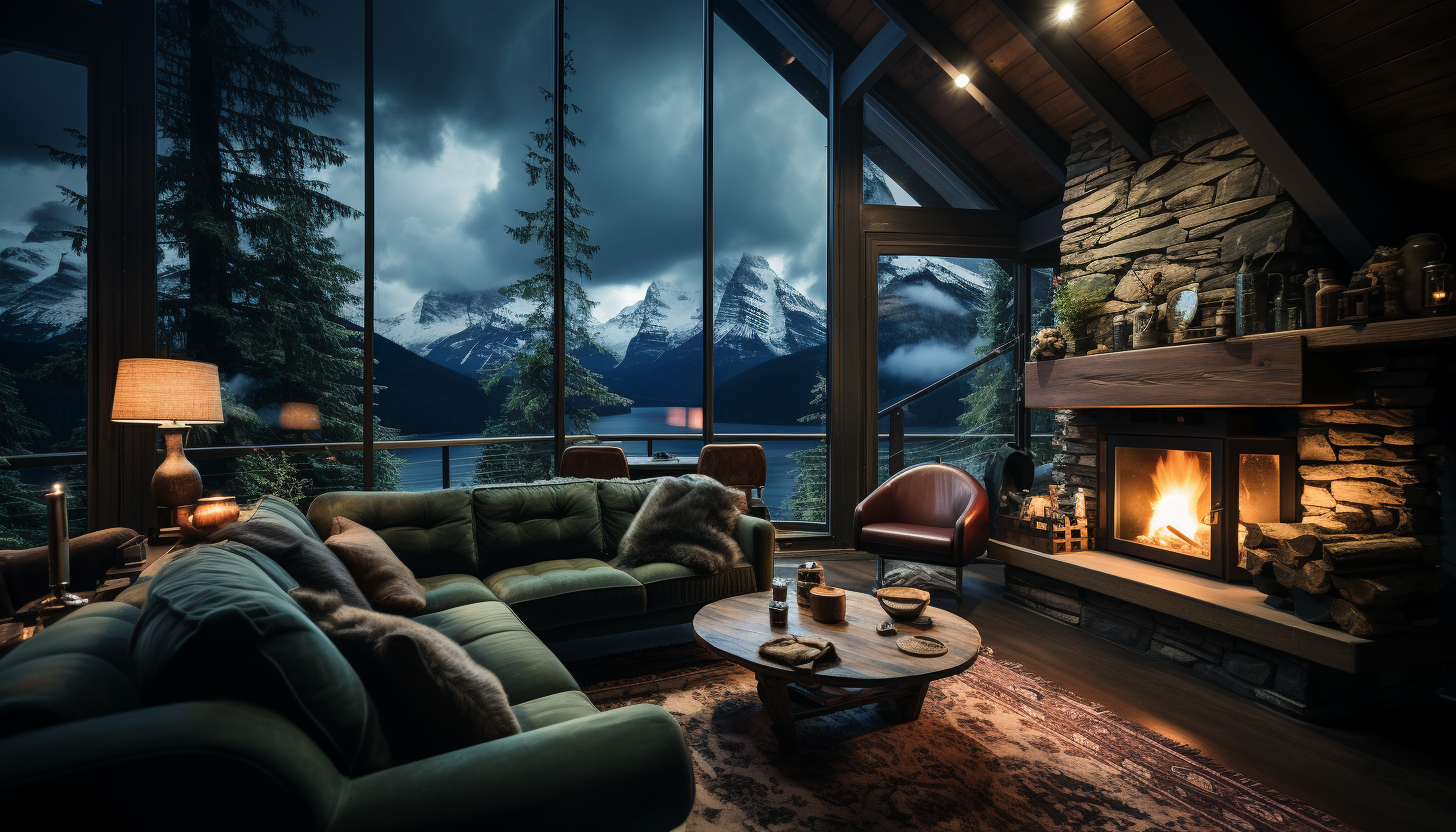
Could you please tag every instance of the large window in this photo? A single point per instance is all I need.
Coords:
(464, 274)
(259, 225)
(770, 282)
(44, 283)
(936, 316)
(637, 91)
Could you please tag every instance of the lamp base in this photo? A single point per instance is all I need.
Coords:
(61, 599)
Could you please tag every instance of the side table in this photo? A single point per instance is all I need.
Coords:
(30, 619)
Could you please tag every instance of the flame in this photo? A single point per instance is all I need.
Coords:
(1179, 487)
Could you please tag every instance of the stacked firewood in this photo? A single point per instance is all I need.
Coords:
(1366, 584)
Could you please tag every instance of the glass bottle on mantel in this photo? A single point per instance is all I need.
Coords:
(1311, 290)
(1276, 283)
(1419, 249)
(1327, 299)
(1251, 302)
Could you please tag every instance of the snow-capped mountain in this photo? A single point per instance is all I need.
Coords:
(42, 286)
(666, 316)
(757, 309)
(929, 312)
(435, 316)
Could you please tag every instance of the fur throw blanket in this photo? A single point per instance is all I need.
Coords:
(688, 521)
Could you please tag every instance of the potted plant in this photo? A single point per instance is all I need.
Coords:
(1076, 308)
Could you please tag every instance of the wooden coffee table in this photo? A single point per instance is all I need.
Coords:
(735, 627)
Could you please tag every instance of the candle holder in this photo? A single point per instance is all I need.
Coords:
(809, 575)
(59, 562)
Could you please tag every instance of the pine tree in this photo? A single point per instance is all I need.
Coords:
(810, 500)
(989, 406)
(265, 291)
(529, 406)
(22, 514)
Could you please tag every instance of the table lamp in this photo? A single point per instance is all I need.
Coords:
(174, 395)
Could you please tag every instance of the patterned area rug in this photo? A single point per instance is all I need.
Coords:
(995, 748)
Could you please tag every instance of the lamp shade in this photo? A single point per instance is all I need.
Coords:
(166, 390)
(298, 416)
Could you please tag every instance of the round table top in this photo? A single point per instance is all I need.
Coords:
(734, 628)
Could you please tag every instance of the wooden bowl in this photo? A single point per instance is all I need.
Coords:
(903, 603)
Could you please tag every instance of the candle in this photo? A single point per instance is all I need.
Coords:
(59, 538)
(214, 512)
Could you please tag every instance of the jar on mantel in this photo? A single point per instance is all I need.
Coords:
(1419, 249)
(1327, 299)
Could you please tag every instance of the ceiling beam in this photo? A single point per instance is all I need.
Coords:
(1284, 114)
(1042, 227)
(1054, 42)
(888, 46)
(985, 86)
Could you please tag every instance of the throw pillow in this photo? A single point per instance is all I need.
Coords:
(685, 520)
(309, 562)
(432, 696)
(384, 579)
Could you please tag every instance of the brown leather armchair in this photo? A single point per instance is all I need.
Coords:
(929, 513)
(744, 467)
(601, 462)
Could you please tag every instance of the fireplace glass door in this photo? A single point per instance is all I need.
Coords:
(1164, 498)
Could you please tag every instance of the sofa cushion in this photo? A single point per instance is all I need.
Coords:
(272, 509)
(516, 525)
(620, 500)
(443, 592)
(429, 530)
(549, 710)
(388, 584)
(670, 585)
(216, 627)
(433, 698)
(555, 593)
(73, 669)
(498, 641)
(300, 554)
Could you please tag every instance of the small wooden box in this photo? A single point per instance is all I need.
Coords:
(1044, 535)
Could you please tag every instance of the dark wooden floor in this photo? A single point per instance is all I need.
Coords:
(1393, 772)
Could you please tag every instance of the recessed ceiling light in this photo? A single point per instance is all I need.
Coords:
(1065, 12)
(962, 80)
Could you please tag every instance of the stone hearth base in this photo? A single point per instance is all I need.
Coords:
(1288, 683)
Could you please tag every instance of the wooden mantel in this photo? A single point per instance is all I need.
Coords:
(1282, 369)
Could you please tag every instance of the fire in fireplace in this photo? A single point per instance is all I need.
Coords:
(1178, 495)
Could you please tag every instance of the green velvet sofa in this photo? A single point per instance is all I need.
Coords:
(542, 549)
(157, 709)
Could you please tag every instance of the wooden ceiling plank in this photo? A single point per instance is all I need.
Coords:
(836, 9)
(1153, 74)
(855, 16)
(872, 24)
(1119, 28)
(968, 115)
(1429, 26)
(1061, 106)
(1398, 75)
(1433, 166)
(1011, 52)
(1296, 14)
(1023, 74)
(1353, 21)
(988, 88)
(1184, 89)
(1268, 94)
(1129, 56)
(1412, 106)
(993, 145)
(870, 65)
(992, 36)
(1043, 89)
(1092, 12)
(1089, 83)
(978, 132)
(1417, 139)
(1068, 125)
(973, 20)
